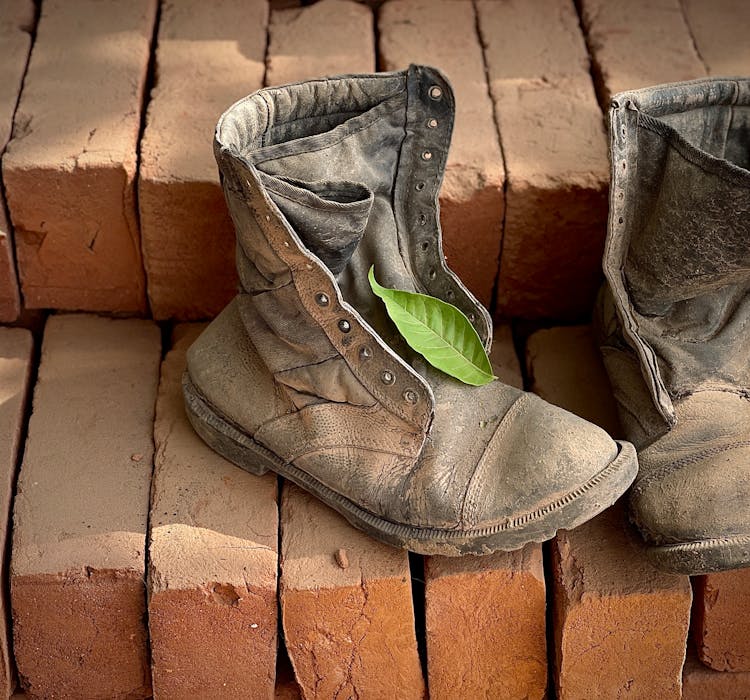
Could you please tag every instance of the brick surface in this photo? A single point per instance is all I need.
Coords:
(15, 364)
(620, 625)
(702, 683)
(494, 604)
(16, 24)
(443, 33)
(720, 624)
(79, 533)
(208, 56)
(720, 30)
(555, 157)
(637, 44)
(212, 559)
(327, 38)
(346, 606)
(69, 170)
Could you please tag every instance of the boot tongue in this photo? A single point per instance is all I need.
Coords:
(330, 217)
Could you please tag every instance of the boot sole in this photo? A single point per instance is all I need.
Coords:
(702, 556)
(567, 511)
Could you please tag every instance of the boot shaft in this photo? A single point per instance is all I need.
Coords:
(677, 257)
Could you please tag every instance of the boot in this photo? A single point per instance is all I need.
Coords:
(675, 317)
(305, 375)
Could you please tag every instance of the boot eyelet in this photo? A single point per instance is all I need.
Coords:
(424, 245)
(432, 274)
(432, 123)
(410, 396)
(426, 155)
(344, 325)
(450, 294)
(436, 92)
(365, 353)
(419, 186)
(387, 377)
(322, 299)
(422, 219)
(472, 318)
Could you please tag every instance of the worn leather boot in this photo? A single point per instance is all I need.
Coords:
(304, 374)
(675, 318)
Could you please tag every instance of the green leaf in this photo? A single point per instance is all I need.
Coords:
(438, 331)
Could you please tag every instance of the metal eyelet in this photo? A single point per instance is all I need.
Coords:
(422, 219)
(432, 273)
(432, 123)
(472, 318)
(436, 92)
(387, 377)
(427, 155)
(365, 353)
(322, 299)
(344, 325)
(410, 396)
(419, 186)
(424, 245)
(450, 294)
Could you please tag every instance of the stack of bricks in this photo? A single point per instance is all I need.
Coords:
(144, 564)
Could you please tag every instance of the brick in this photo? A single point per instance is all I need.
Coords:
(69, 170)
(720, 30)
(79, 533)
(16, 24)
(213, 558)
(496, 605)
(638, 44)
(15, 364)
(443, 33)
(720, 616)
(346, 606)
(328, 38)
(214, 51)
(702, 683)
(620, 625)
(555, 153)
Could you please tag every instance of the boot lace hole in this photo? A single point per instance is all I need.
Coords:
(424, 245)
(432, 123)
(449, 294)
(387, 377)
(422, 219)
(620, 220)
(472, 318)
(365, 353)
(344, 325)
(436, 92)
(427, 155)
(419, 186)
(322, 299)
(410, 396)
(432, 273)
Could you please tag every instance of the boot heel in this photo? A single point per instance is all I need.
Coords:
(238, 448)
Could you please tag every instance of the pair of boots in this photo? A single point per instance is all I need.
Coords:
(304, 374)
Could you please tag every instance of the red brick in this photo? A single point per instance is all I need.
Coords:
(637, 44)
(79, 533)
(15, 364)
(702, 683)
(327, 38)
(346, 606)
(495, 604)
(443, 33)
(555, 153)
(69, 170)
(16, 24)
(720, 624)
(720, 30)
(213, 558)
(620, 625)
(208, 56)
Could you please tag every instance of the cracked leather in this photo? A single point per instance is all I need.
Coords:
(674, 315)
(324, 179)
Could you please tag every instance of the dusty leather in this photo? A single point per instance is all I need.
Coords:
(323, 179)
(674, 318)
